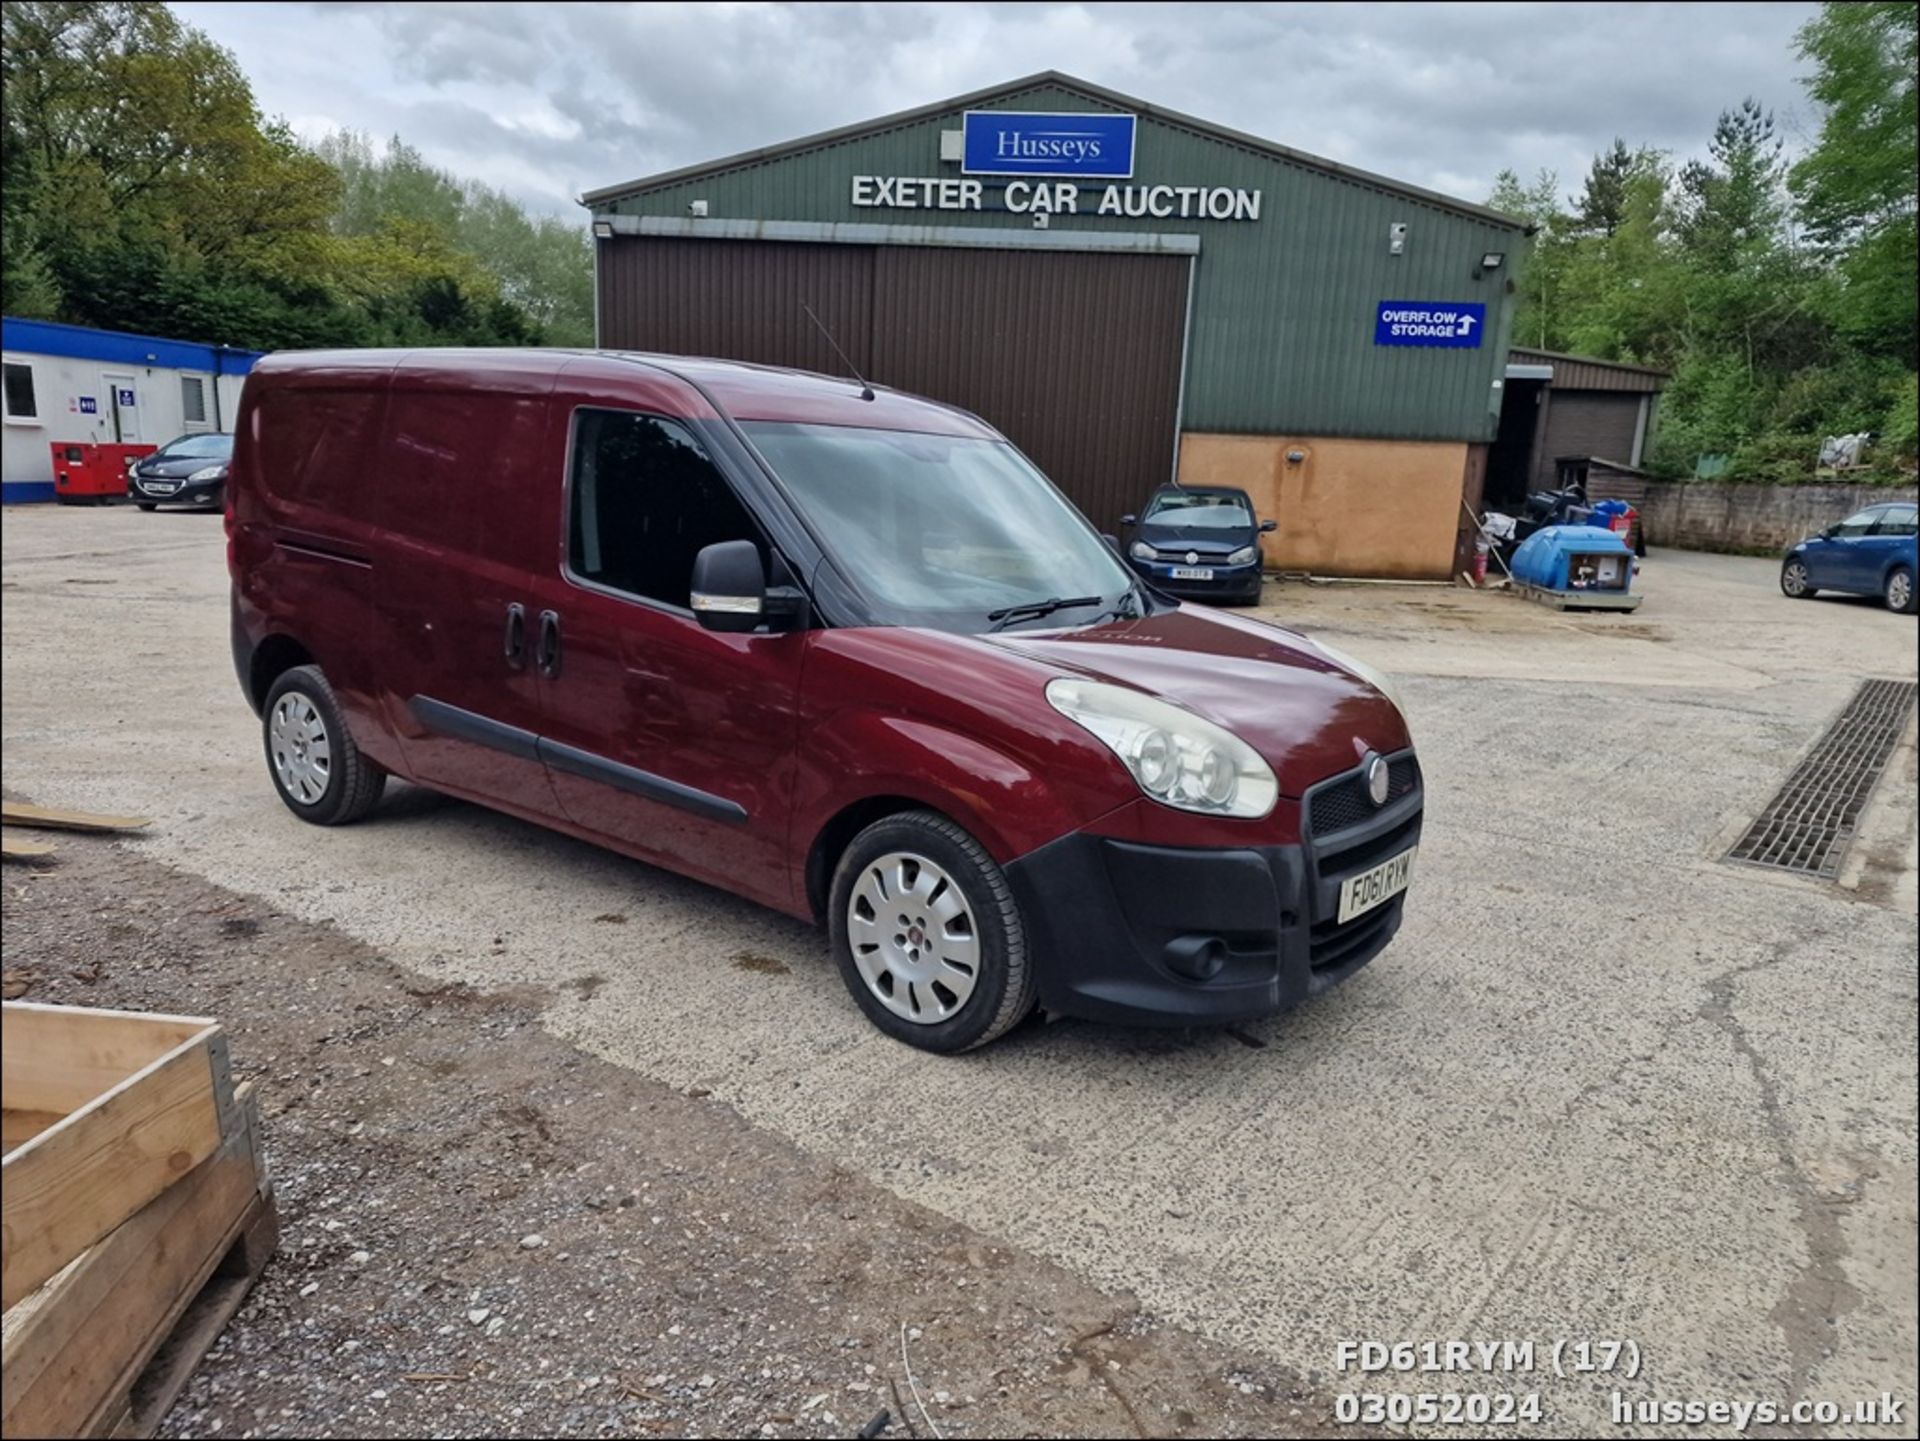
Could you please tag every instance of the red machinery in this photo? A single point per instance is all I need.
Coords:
(83, 471)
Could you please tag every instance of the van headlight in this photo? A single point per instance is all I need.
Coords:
(1176, 757)
(211, 472)
(1246, 555)
(1140, 550)
(1372, 675)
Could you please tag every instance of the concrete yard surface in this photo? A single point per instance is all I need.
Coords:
(1604, 1087)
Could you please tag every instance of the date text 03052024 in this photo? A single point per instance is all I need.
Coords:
(1563, 1356)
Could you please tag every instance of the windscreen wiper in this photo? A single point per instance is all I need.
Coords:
(1127, 607)
(1034, 609)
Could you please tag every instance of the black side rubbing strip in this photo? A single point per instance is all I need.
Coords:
(464, 725)
(638, 782)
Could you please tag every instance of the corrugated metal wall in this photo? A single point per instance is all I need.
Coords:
(739, 300)
(1590, 423)
(1076, 357)
(1284, 306)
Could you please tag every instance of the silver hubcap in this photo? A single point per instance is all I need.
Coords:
(1796, 578)
(1900, 591)
(913, 938)
(297, 741)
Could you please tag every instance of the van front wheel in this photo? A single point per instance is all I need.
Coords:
(928, 936)
(316, 767)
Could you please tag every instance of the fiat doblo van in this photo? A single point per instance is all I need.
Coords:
(840, 650)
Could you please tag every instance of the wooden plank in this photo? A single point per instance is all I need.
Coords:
(74, 1182)
(74, 1349)
(166, 1375)
(19, 848)
(50, 818)
(58, 1058)
(19, 1127)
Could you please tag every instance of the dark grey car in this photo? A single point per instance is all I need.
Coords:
(189, 470)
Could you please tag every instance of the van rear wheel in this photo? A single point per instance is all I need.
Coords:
(316, 767)
(928, 936)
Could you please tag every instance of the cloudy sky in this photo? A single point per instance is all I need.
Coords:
(548, 100)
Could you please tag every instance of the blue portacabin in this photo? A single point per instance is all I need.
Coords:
(1091, 145)
(1451, 324)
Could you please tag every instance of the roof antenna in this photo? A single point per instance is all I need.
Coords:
(866, 391)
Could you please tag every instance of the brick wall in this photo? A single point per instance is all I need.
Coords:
(1711, 515)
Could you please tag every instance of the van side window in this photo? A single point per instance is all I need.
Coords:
(645, 500)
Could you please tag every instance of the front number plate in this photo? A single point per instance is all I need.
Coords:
(1183, 572)
(1360, 894)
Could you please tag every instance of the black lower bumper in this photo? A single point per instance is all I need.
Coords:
(206, 493)
(1172, 936)
(1231, 585)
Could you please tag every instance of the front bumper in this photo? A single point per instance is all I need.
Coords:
(1230, 582)
(1109, 920)
(157, 492)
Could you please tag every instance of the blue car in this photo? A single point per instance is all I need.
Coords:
(1872, 553)
(1199, 543)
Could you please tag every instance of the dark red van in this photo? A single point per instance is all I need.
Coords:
(848, 654)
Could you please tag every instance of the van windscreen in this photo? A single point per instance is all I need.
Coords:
(940, 530)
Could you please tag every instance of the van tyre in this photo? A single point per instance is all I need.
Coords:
(1899, 591)
(316, 767)
(927, 935)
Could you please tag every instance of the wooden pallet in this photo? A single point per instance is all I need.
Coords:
(1578, 599)
(136, 1221)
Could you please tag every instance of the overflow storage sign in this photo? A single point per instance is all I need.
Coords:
(1454, 324)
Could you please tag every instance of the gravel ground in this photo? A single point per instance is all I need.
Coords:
(486, 1231)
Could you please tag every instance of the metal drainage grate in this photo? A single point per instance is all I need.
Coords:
(1808, 824)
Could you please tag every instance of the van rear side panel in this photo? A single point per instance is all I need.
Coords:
(301, 547)
(464, 501)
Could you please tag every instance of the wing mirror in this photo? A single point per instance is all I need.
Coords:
(1267, 527)
(1129, 520)
(730, 592)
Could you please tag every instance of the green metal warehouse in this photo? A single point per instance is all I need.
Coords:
(1132, 295)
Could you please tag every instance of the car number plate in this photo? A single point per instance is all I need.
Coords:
(1360, 894)
(1188, 572)
(159, 487)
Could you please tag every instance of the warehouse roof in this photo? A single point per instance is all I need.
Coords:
(1054, 79)
(1587, 372)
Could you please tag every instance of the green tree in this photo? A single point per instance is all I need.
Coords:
(1543, 278)
(1856, 187)
(144, 190)
(541, 266)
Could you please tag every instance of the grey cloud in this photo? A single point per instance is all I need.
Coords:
(1443, 95)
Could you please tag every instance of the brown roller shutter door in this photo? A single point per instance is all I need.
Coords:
(1076, 357)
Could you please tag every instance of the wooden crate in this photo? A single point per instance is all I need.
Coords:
(137, 1213)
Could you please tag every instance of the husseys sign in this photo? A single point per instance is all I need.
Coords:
(998, 148)
(1026, 142)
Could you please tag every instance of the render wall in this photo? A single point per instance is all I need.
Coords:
(1348, 507)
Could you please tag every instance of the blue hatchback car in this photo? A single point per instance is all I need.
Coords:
(1199, 543)
(1871, 553)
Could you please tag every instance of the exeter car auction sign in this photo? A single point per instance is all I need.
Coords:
(1027, 162)
(1454, 324)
